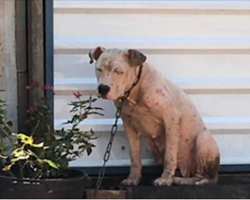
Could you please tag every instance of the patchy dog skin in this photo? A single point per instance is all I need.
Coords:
(160, 112)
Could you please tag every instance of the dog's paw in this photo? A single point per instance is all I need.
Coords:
(163, 181)
(131, 181)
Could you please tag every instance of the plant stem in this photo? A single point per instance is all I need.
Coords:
(37, 174)
(12, 174)
(21, 169)
(20, 165)
(79, 120)
(34, 130)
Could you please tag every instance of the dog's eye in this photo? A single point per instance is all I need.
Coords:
(119, 72)
(99, 70)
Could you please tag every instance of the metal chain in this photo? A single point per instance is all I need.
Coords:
(114, 130)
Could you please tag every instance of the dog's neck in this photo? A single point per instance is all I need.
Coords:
(135, 94)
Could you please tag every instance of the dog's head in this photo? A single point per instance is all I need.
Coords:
(116, 70)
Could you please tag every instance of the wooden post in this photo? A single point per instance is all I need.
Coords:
(40, 48)
(35, 24)
(21, 57)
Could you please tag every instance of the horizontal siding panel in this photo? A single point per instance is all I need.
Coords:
(212, 105)
(166, 51)
(116, 162)
(158, 44)
(151, 26)
(168, 4)
(62, 108)
(213, 123)
(120, 154)
(169, 65)
(64, 86)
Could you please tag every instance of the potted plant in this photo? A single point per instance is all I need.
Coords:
(36, 164)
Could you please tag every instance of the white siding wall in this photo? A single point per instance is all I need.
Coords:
(203, 46)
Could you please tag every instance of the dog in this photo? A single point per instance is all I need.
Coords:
(160, 112)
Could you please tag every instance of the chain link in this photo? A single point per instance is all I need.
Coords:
(114, 130)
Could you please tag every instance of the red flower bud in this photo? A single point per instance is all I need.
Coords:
(30, 110)
(77, 94)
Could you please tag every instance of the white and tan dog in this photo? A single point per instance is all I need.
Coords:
(161, 113)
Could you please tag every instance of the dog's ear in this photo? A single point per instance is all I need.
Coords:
(135, 57)
(94, 54)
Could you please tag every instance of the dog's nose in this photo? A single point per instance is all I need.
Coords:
(103, 89)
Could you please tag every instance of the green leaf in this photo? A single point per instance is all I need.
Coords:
(39, 161)
(97, 108)
(6, 148)
(21, 136)
(89, 150)
(19, 152)
(10, 123)
(68, 122)
(38, 145)
(31, 153)
(95, 113)
(82, 146)
(2, 145)
(3, 132)
(91, 145)
(24, 138)
(4, 112)
(25, 157)
(51, 163)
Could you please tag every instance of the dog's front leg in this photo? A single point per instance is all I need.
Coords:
(171, 149)
(135, 155)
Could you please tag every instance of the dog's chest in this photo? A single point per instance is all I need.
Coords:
(147, 122)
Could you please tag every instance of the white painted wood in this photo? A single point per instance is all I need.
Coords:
(181, 65)
(213, 123)
(113, 27)
(154, 5)
(202, 46)
(120, 156)
(190, 85)
(8, 61)
(152, 43)
(211, 105)
(1, 18)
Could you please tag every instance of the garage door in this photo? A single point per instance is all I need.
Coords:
(203, 46)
